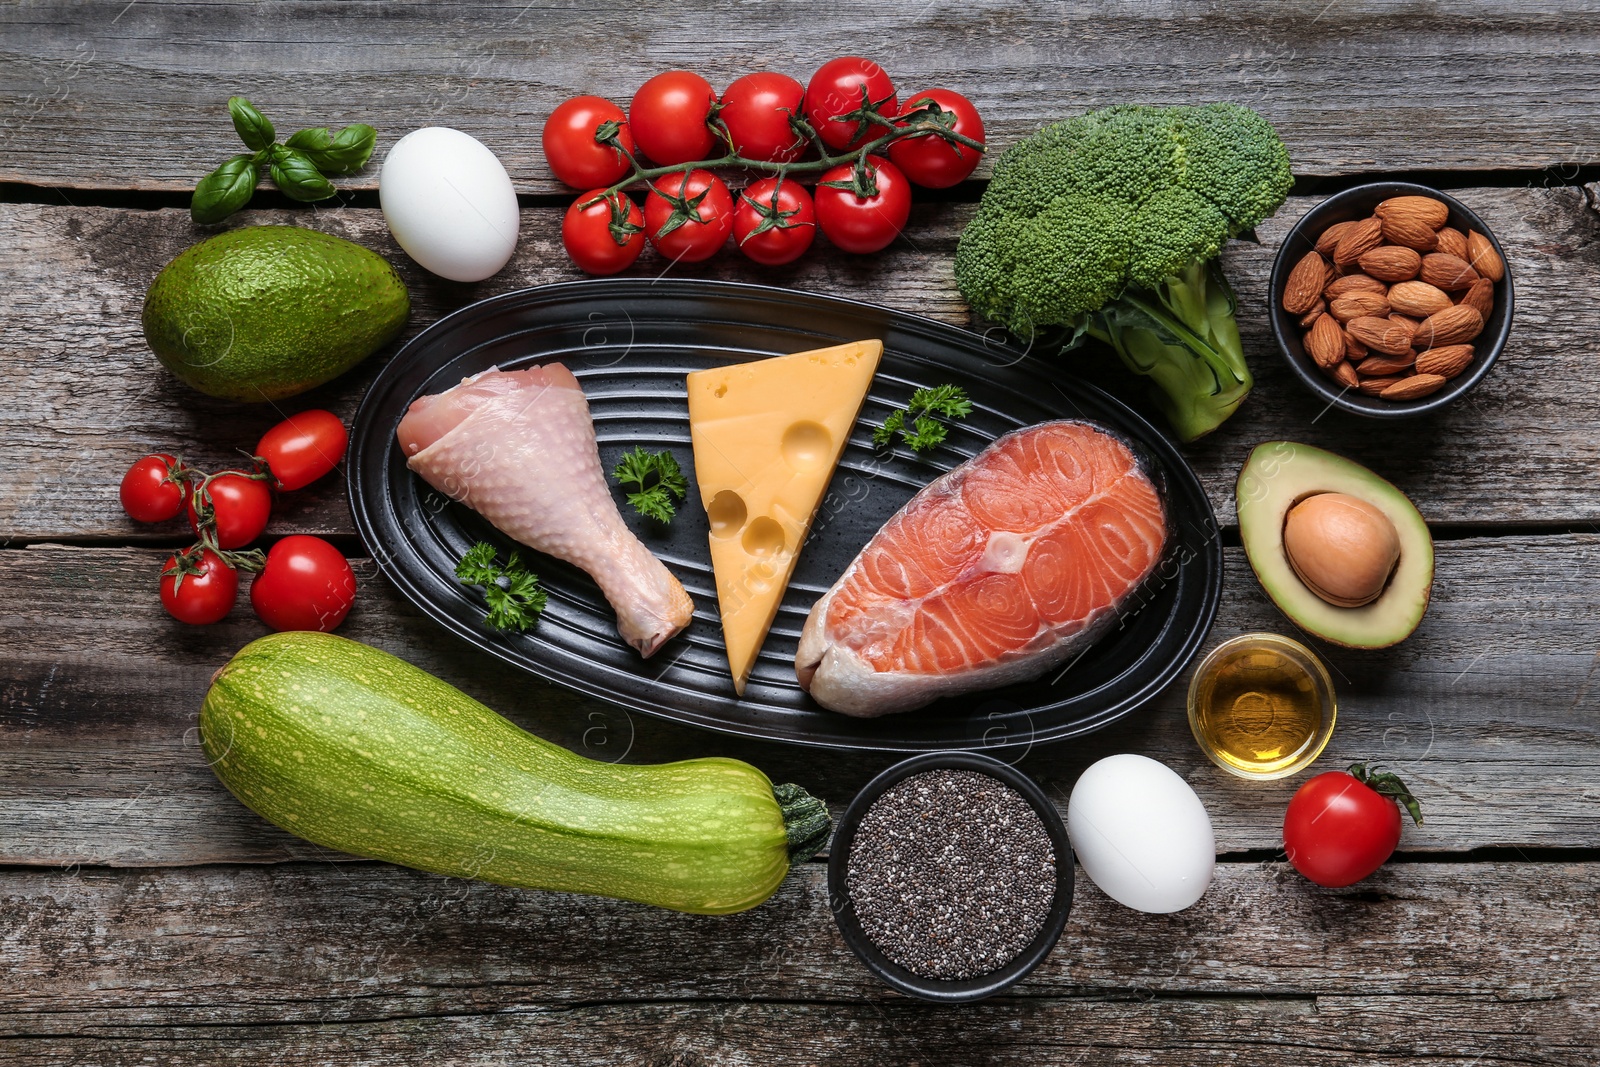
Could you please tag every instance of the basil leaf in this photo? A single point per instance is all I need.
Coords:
(298, 177)
(254, 129)
(224, 191)
(340, 153)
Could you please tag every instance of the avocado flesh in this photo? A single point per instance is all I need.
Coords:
(265, 312)
(1278, 475)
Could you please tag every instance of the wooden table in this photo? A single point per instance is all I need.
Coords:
(146, 916)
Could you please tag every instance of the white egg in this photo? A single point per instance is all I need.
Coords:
(449, 203)
(1141, 834)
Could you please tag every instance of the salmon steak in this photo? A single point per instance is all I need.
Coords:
(1005, 567)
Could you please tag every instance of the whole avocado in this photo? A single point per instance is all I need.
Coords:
(265, 312)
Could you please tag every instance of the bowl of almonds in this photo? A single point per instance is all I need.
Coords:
(1391, 300)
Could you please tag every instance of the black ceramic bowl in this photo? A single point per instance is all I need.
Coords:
(1358, 203)
(966, 989)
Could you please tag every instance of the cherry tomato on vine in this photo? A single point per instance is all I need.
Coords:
(303, 448)
(198, 587)
(774, 222)
(239, 506)
(688, 216)
(835, 91)
(1340, 827)
(668, 118)
(931, 161)
(307, 584)
(756, 110)
(589, 234)
(571, 150)
(151, 490)
(864, 224)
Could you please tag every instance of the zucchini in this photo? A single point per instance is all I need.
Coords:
(351, 748)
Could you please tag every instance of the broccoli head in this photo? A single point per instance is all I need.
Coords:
(1108, 226)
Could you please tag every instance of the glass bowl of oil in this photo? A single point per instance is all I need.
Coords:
(1262, 706)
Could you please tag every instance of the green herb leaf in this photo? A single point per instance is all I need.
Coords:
(947, 400)
(512, 592)
(297, 176)
(883, 436)
(927, 407)
(224, 191)
(925, 435)
(657, 478)
(254, 129)
(341, 153)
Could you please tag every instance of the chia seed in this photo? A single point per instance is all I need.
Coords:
(951, 873)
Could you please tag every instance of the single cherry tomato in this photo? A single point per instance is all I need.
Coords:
(774, 222)
(303, 447)
(198, 587)
(1340, 827)
(236, 503)
(835, 90)
(864, 224)
(153, 490)
(571, 150)
(928, 159)
(668, 118)
(688, 216)
(756, 110)
(307, 584)
(605, 237)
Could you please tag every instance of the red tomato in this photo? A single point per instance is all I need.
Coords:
(668, 118)
(307, 584)
(605, 237)
(774, 222)
(929, 160)
(864, 225)
(835, 91)
(198, 588)
(688, 216)
(756, 110)
(1341, 827)
(303, 447)
(151, 490)
(571, 150)
(236, 503)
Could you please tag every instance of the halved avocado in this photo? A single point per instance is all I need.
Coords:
(1280, 474)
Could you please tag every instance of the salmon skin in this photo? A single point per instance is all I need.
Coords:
(997, 571)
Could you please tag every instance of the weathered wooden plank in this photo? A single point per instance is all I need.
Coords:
(113, 95)
(84, 396)
(1489, 710)
(1424, 963)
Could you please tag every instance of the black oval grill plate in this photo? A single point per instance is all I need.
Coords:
(630, 343)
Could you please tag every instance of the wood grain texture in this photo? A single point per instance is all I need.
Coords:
(115, 95)
(1425, 963)
(1489, 711)
(1517, 450)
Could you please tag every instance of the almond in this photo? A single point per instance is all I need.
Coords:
(1345, 374)
(1311, 316)
(1453, 242)
(1408, 230)
(1418, 299)
(1353, 283)
(1361, 238)
(1354, 350)
(1330, 237)
(1376, 386)
(1325, 342)
(1305, 283)
(1452, 326)
(1381, 335)
(1380, 366)
(1424, 209)
(1414, 388)
(1391, 263)
(1484, 259)
(1480, 296)
(1447, 272)
(1448, 361)
(1358, 304)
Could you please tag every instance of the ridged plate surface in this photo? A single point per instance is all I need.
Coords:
(630, 343)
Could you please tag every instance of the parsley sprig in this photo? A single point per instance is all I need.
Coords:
(929, 413)
(512, 591)
(657, 479)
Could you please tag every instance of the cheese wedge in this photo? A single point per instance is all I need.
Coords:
(767, 436)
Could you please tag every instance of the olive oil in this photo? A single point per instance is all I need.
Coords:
(1261, 706)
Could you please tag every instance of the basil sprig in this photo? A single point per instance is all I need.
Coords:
(299, 166)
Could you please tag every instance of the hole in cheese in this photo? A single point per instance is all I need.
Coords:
(727, 514)
(763, 537)
(807, 446)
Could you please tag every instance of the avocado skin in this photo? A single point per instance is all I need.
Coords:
(265, 312)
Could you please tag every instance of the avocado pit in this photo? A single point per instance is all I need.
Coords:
(1341, 547)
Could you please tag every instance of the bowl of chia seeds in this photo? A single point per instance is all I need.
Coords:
(950, 876)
